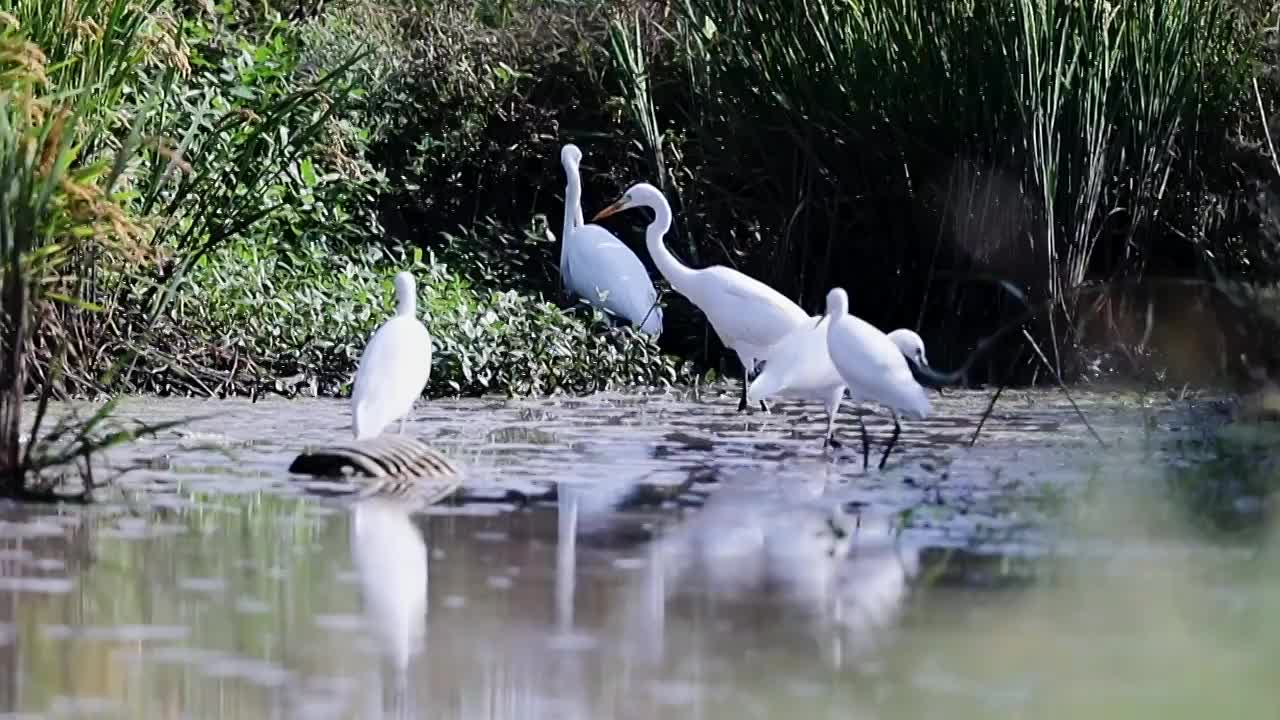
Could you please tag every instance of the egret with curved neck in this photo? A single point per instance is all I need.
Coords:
(394, 367)
(749, 316)
(874, 366)
(598, 267)
(799, 366)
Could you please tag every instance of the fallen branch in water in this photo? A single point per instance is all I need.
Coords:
(1063, 387)
(991, 406)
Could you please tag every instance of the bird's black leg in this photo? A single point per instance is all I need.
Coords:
(746, 380)
(897, 429)
(831, 441)
(866, 443)
(755, 373)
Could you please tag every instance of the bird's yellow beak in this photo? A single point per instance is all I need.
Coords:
(610, 210)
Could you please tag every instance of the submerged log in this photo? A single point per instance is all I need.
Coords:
(394, 465)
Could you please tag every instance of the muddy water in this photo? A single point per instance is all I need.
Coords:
(776, 579)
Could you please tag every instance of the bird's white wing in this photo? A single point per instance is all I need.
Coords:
(608, 274)
(745, 311)
(873, 367)
(392, 373)
(798, 364)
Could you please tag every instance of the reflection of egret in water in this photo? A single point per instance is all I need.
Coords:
(591, 510)
(601, 607)
(873, 585)
(839, 573)
(567, 667)
(391, 562)
(743, 541)
(566, 556)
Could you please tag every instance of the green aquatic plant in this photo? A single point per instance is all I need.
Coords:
(58, 205)
(1050, 142)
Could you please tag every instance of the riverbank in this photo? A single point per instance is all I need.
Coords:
(944, 470)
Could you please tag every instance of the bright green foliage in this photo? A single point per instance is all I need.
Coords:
(256, 186)
(61, 70)
(300, 309)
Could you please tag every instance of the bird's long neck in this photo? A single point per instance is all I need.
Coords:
(833, 316)
(676, 272)
(406, 304)
(572, 209)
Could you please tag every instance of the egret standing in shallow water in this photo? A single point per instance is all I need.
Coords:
(874, 367)
(394, 367)
(597, 266)
(799, 366)
(749, 316)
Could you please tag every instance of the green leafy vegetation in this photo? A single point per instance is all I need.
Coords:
(265, 188)
(299, 311)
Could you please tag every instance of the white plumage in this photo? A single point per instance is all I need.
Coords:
(799, 366)
(597, 266)
(391, 562)
(394, 367)
(749, 316)
(872, 364)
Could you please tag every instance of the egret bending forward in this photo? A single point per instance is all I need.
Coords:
(597, 266)
(799, 366)
(749, 316)
(394, 367)
(874, 366)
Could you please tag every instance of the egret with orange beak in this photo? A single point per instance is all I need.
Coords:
(749, 316)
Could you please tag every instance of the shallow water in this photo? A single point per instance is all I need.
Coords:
(780, 580)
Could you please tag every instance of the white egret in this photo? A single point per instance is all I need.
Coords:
(911, 345)
(749, 316)
(799, 366)
(597, 266)
(873, 366)
(394, 367)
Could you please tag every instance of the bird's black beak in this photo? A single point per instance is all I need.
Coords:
(924, 364)
(928, 377)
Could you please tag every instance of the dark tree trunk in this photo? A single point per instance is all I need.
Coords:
(12, 380)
